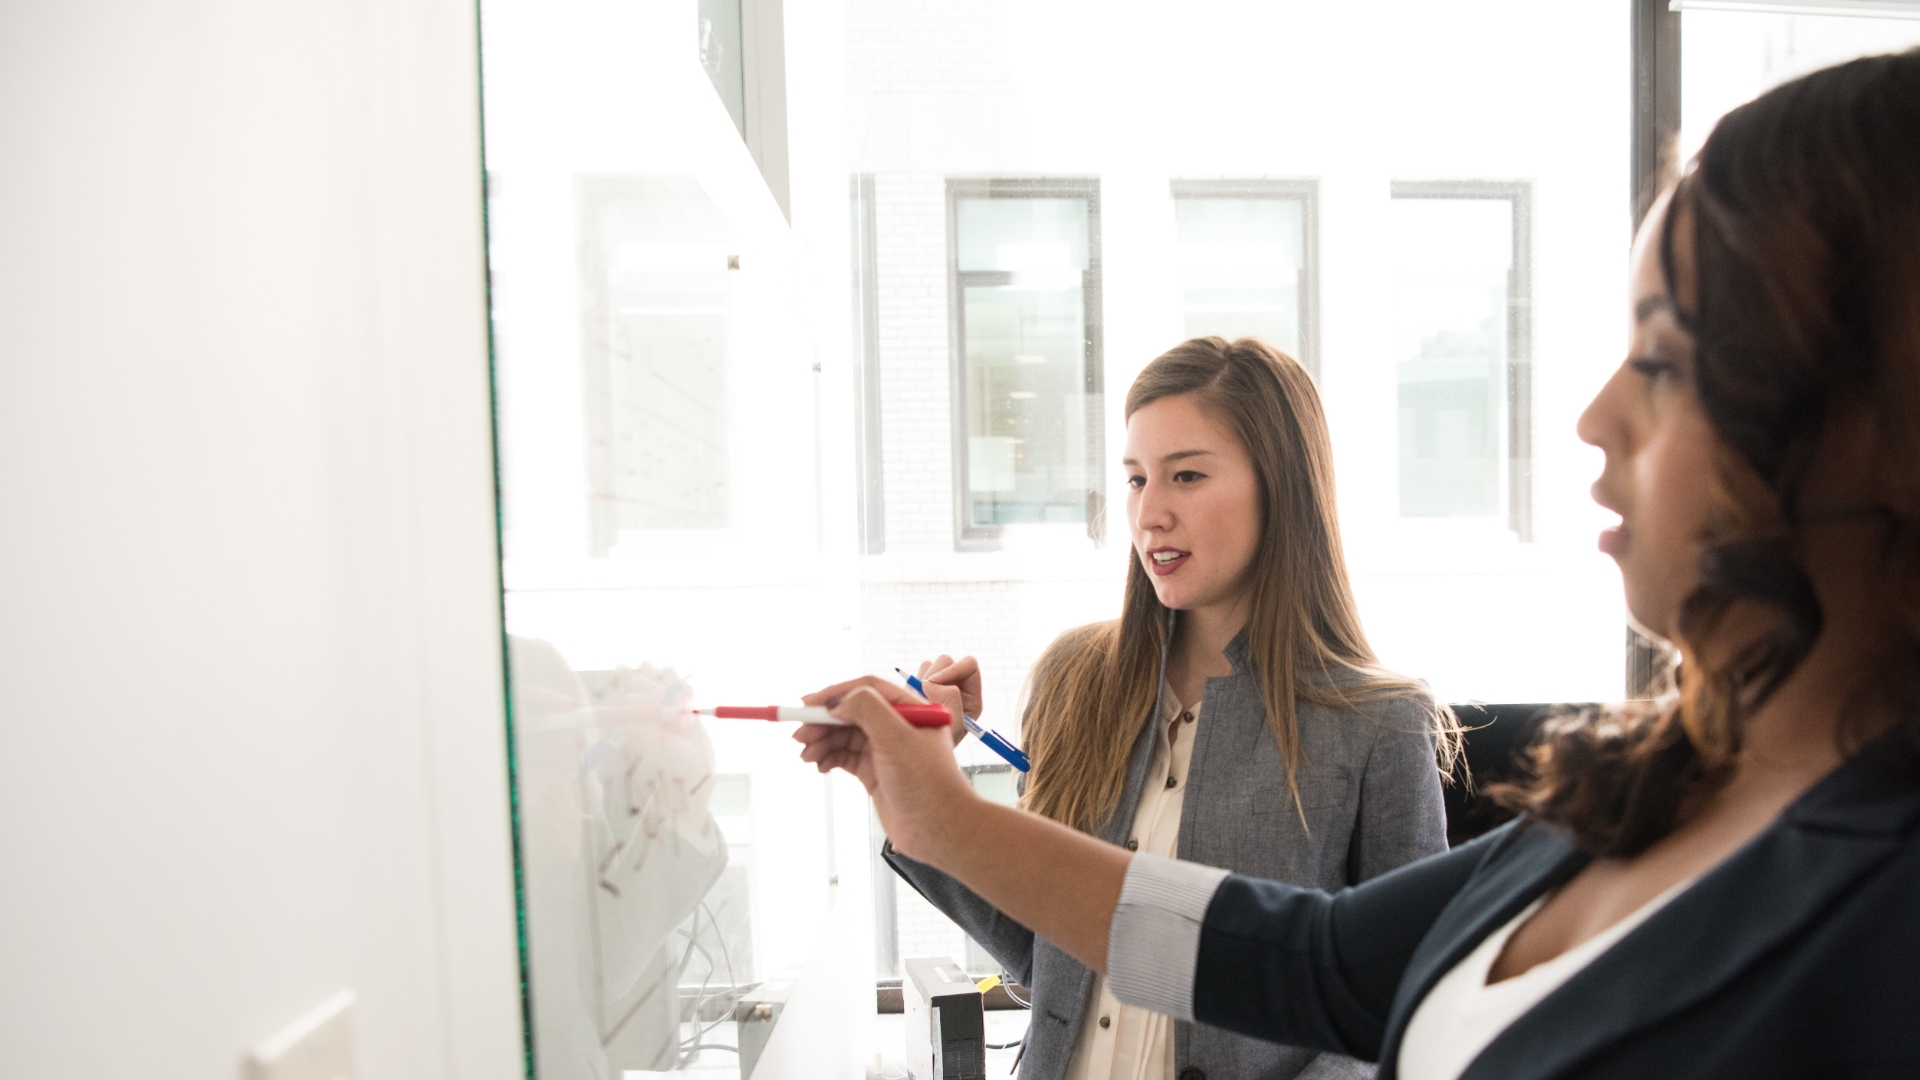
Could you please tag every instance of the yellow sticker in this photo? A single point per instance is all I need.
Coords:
(988, 983)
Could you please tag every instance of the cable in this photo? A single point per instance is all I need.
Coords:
(733, 983)
(1005, 1046)
(690, 1049)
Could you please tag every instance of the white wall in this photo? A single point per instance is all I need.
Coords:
(251, 732)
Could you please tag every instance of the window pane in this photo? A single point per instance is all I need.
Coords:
(1023, 272)
(656, 327)
(1026, 404)
(1449, 316)
(1730, 57)
(1240, 266)
(1022, 234)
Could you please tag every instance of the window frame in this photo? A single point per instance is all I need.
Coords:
(1655, 129)
(1519, 365)
(1306, 192)
(871, 504)
(967, 536)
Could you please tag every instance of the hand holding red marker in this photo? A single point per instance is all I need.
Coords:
(926, 716)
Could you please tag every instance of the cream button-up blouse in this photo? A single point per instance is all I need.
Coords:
(1125, 1042)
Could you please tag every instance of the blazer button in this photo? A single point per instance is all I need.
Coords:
(1106, 1021)
(1133, 844)
(1191, 1073)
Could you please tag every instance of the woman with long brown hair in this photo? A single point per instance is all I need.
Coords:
(1725, 884)
(1233, 715)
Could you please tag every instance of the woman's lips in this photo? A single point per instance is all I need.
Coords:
(1162, 569)
(1614, 541)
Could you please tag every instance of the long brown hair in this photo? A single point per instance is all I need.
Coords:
(1096, 686)
(1804, 207)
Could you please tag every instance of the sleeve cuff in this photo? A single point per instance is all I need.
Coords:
(1154, 944)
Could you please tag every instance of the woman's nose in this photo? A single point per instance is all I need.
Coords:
(1600, 421)
(1150, 508)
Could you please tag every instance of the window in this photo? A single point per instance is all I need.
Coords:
(1027, 370)
(1460, 322)
(654, 344)
(1246, 262)
(1732, 52)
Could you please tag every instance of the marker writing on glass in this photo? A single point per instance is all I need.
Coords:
(1011, 753)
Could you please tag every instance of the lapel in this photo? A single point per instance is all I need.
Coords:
(1760, 898)
(1230, 731)
(1521, 866)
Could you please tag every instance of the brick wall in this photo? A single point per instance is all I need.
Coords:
(910, 247)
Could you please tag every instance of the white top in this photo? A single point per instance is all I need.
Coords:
(1119, 1041)
(1462, 1013)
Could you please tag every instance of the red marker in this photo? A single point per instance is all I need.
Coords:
(918, 715)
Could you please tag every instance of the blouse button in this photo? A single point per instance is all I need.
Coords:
(1186, 718)
(1133, 844)
(1106, 1021)
(1171, 782)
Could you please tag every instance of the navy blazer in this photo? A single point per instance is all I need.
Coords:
(1799, 956)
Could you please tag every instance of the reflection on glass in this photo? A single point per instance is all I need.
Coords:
(1453, 260)
(639, 854)
(1240, 266)
(1021, 268)
(722, 56)
(632, 885)
(655, 337)
(661, 478)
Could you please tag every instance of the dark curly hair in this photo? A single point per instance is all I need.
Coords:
(1805, 211)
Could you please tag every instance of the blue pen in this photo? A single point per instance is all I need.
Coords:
(995, 743)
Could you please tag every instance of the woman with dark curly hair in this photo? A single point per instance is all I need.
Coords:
(1723, 884)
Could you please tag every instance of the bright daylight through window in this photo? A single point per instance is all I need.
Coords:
(1027, 291)
(813, 323)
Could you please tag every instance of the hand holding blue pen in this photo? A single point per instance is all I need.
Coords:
(993, 740)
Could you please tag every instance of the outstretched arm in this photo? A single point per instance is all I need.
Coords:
(1058, 882)
(1261, 958)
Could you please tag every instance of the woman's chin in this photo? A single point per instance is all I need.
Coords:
(1649, 616)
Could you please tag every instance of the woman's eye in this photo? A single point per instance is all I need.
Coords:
(1185, 476)
(1652, 368)
(1136, 482)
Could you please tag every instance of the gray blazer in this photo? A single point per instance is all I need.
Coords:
(1371, 792)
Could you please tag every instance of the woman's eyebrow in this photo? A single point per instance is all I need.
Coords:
(1177, 455)
(1181, 455)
